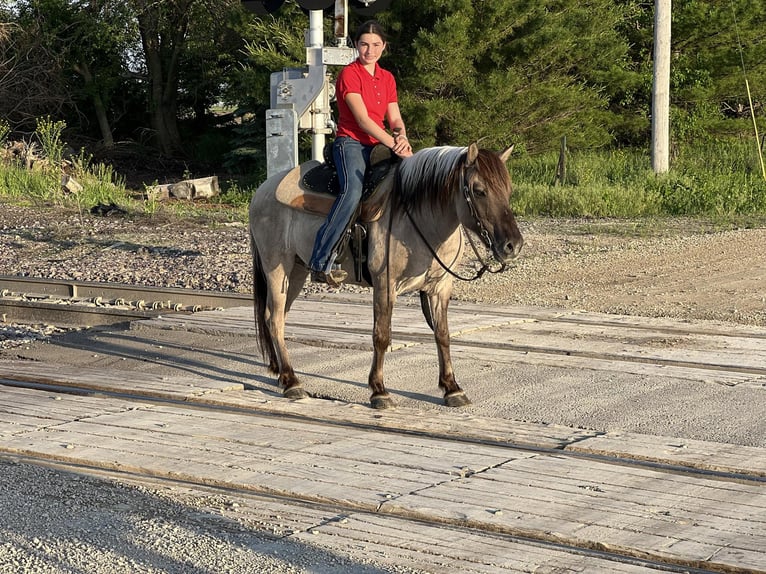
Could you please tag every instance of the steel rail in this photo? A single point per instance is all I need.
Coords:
(92, 290)
(78, 303)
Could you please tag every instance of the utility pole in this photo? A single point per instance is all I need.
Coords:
(661, 88)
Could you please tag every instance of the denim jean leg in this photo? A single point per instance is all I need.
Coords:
(351, 159)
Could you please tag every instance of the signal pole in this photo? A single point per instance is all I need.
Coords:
(661, 88)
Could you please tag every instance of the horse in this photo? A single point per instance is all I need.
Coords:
(415, 239)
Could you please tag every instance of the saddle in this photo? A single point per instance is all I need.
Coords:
(312, 186)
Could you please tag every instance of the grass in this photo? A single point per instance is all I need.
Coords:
(719, 180)
(713, 179)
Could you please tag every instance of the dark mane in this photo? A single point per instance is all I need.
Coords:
(427, 178)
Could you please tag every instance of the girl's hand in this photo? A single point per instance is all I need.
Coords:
(401, 146)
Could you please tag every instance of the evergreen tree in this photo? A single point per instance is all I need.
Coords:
(711, 42)
(508, 70)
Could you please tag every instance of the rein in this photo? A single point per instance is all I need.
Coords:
(484, 234)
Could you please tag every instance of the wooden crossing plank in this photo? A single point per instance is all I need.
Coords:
(624, 341)
(340, 326)
(441, 550)
(636, 511)
(22, 410)
(393, 541)
(644, 346)
(675, 518)
(564, 359)
(147, 384)
(702, 455)
(204, 391)
(655, 324)
(718, 457)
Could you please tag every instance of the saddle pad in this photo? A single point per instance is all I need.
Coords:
(291, 191)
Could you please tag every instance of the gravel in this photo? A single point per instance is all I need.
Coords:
(105, 526)
(682, 269)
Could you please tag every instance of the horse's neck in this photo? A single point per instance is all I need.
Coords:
(436, 225)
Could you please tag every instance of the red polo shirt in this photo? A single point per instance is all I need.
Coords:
(377, 92)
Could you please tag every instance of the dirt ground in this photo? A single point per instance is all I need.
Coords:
(674, 268)
(683, 269)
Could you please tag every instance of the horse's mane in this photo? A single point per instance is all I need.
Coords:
(427, 178)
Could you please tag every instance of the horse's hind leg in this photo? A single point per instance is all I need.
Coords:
(453, 394)
(278, 303)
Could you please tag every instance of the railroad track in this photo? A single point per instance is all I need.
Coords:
(489, 484)
(74, 303)
(298, 500)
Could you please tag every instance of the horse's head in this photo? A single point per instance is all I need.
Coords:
(486, 187)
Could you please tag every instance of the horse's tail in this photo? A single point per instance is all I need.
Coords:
(260, 297)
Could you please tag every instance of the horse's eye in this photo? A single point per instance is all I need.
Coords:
(479, 191)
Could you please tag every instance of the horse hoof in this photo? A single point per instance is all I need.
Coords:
(295, 393)
(380, 402)
(456, 399)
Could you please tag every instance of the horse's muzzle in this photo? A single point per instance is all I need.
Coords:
(508, 250)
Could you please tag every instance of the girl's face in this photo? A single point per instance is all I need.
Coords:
(370, 47)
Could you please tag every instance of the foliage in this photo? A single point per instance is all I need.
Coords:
(5, 130)
(502, 70)
(49, 133)
(273, 42)
(716, 179)
(507, 69)
(31, 76)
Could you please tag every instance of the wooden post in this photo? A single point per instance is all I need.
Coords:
(561, 169)
(661, 87)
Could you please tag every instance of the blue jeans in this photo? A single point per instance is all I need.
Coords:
(351, 161)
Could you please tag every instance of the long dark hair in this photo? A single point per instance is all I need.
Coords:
(370, 27)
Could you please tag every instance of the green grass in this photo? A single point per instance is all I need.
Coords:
(714, 179)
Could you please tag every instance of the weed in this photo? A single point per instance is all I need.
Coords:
(49, 133)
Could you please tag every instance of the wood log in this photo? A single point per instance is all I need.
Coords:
(200, 188)
(205, 187)
(70, 184)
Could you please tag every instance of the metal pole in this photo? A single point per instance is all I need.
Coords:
(661, 88)
(316, 40)
(341, 23)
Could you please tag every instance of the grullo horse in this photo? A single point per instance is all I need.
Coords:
(414, 241)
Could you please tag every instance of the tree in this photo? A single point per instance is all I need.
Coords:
(527, 70)
(31, 78)
(711, 42)
(163, 26)
(90, 38)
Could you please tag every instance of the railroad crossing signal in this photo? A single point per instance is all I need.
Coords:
(262, 7)
(363, 7)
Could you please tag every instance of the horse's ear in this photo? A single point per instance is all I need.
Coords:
(506, 155)
(473, 153)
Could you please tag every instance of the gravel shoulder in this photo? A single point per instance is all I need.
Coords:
(681, 269)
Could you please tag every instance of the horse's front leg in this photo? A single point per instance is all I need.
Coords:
(453, 394)
(383, 305)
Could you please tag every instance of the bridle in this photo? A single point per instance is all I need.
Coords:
(470, 199)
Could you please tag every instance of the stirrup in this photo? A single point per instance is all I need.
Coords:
(333, 278)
